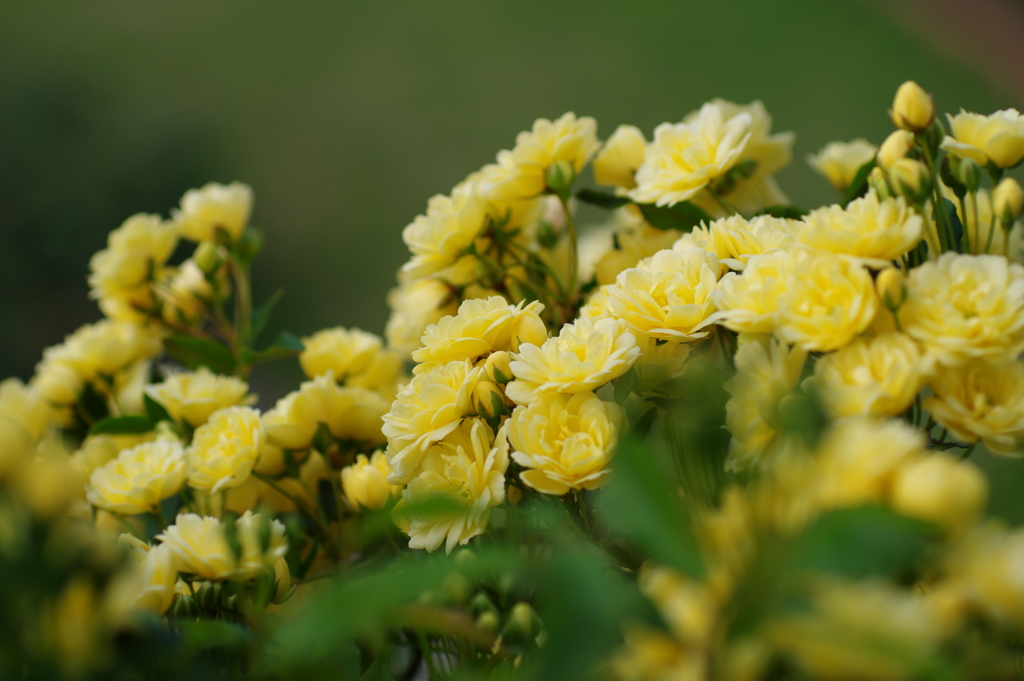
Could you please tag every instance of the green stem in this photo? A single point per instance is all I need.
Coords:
(967, 232)
(574, 264)
(942, 226)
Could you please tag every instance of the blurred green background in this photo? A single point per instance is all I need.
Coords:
(345, 117)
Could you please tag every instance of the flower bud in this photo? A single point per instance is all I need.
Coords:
(522, 623)
(891, 287)
(489, 400)
(942, 490)
(497, 368)
(1008, 201)
(911, 180)
(967, 172)
(481, 603)
(877, 181)
(207, 257)
(488, 622)
(912, 108)
(560, 176)
(895, 147)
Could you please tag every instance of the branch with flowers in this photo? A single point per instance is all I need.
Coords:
(717, 436)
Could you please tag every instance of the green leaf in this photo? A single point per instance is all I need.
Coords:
(958, 227)
(640, 505)
(683, 216)
(92, 403)
(783, 211)
(207, 635)
(643, 424)
(626, 384)
(261, 315)
(857, 542)
(154, 410)
(601, 199)
(859, 186)
(287, 345)
(377, 672)
(122, 425)
(196, 352)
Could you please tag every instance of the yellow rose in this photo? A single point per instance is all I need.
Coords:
(153, 575)
(912, 108)
(356, 357)
(877, 376)
(966, 306)
(584, 356)
(349, 413)
(479, 328)
(522, 172)
(102, 349)
(636, 241)
(58, 381)
(942, 490)
(873, 232)
(829, 301)
(766, 372)
(139, 478)
(185, 292)
(26, 405)
(96, 450)
(981, 401)
(839, 162)
(985, 568)
(895, 148)
(365, 482)
(425, 411)
(668, 295)
(566, 441)
(120, 274)
(224, 449)
(192, 396)
(201, 548)
(215, 206)
(450, 225)
(748, 302)
(620, 157)
(998, 138)
(415, 306)
(467, 469)
(1008, 201)
(737, 239)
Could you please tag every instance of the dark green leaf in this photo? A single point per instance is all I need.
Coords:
(857, 542)
(154, 410)
(683, 216)
(92, 403)
(122, 425)
(644, 423)
(641, 505)
(207, 635)
(783, 211)
(958, 227)
(601, 199)
(859, 186)
(626, 384)
(261, 315)
(196, 352)
(287, 345)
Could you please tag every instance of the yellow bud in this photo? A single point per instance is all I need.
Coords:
(911, 179)
(942, 490)
(497, 368)
(207, 257)
(912, 108)
(488, 622)
(489, 400)
(877, 181)
(1008, 201)
(560, 176)
(895, 147)
(891, 287)
(522, 622)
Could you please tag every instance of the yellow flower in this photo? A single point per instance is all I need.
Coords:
(201, 548)
(154, 575)
(659, 364)
(414, 307)
(872, 231)
(184, 293)
(365, 482)
(584, 356)
(635, 241)
(984, 231)
(766, 372)
(26, 405)
(981, 401)
(877, 376)
(100, 349)
(120, 274)
(617, 162)
(139, 478)
(985, 569)
(998, 138)
(97, 450)
(425, 411)
(742, 239)
(480, 327)
(213, 207)
(839, 162)
(829, 301)
(942, 490)
(467, 469)
(356, 357)
(895, 148)
(521, 173)
(966, 306)
(748, 302)
(348, 412)
(912, 108)
(668, 295)
(566, 441)
(438, 238)
(224, 449)
(1008, 201)
(193, 396)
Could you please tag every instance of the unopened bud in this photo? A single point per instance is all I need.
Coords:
(488, 622)
(560, 176)
(895, 147)
(877, 181)
(522, 623)
(1008, 201)
(207, 257)
(891, 287)
(489, 400)
(481, 603)
(912, 108)
(911, 180)
(497, 368)
(967, 171)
